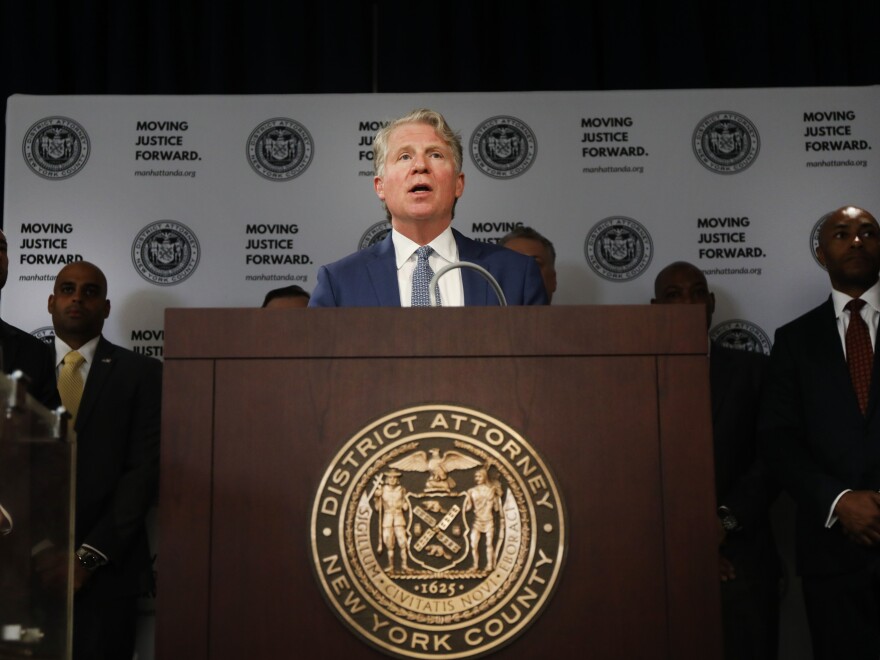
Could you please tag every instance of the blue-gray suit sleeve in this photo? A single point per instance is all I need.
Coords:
(534, 292)
(323, 295)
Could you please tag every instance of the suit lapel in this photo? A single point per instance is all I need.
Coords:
(382, 269)
(99, 371)
(874, 392)
(476, 289)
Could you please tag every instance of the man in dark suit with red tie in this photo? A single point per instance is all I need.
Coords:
(820, 433)
(116, 423)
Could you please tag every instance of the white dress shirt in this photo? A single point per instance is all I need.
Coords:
(870, 312)
(445, 252)
(87, 350)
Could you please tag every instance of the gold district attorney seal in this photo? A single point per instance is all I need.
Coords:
(438, 532)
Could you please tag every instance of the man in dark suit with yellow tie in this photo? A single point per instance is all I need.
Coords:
(820, 432)
(116, 423)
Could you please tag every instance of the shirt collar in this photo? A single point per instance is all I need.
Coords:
(871, 297)
(444, 246)
(87, 350)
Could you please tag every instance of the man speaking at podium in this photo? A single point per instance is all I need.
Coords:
(419, 179)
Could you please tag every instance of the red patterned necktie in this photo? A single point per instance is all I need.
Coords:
(859, 352)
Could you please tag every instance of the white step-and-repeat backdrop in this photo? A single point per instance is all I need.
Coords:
(210, 201)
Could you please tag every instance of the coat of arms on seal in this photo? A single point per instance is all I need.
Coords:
(438, 531)
(280, 149)
(56, 147)
(726, 142)
(165, 252)
(618, 248)
(503, 147)
(741, 335)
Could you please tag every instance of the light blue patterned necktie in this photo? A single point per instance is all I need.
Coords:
(422, 278)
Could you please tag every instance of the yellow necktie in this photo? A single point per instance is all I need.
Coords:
(70, 384)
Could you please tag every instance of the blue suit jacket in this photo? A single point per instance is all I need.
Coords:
(815, 438)
(368, 278)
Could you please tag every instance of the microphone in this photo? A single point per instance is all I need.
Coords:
(432, 287)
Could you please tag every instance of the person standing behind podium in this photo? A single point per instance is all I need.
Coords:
(749, 564)
(820, 431)
(287, 297)
(529, 242)
(418, 161)
(116, 422)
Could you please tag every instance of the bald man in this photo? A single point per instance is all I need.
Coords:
(117, 431)
(820, 432)
(749, 565)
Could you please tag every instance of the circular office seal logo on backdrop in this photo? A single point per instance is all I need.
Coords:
(374, 234)
(619, 249)
(280, 149)
(56, 147)
(726, 142)
(503, 147)
(46, 334)
(814, 239)
(437, 532)
(165, 252)
(741, 335)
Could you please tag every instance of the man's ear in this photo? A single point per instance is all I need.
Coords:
(820, 255)
(379, 186)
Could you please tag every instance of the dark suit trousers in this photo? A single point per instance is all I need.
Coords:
(750, 617)
(843, 612)
(104, 628)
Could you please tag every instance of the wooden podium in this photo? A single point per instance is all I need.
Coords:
(616, 399)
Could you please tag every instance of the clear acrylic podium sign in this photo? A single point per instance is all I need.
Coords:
(36, 526)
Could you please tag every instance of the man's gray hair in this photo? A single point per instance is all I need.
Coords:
(532, 234)
(421, 116)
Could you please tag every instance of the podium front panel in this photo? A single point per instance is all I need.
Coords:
(618, 432)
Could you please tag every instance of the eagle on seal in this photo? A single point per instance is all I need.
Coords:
(437, 466)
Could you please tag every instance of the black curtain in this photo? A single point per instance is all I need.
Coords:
(291, 47)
